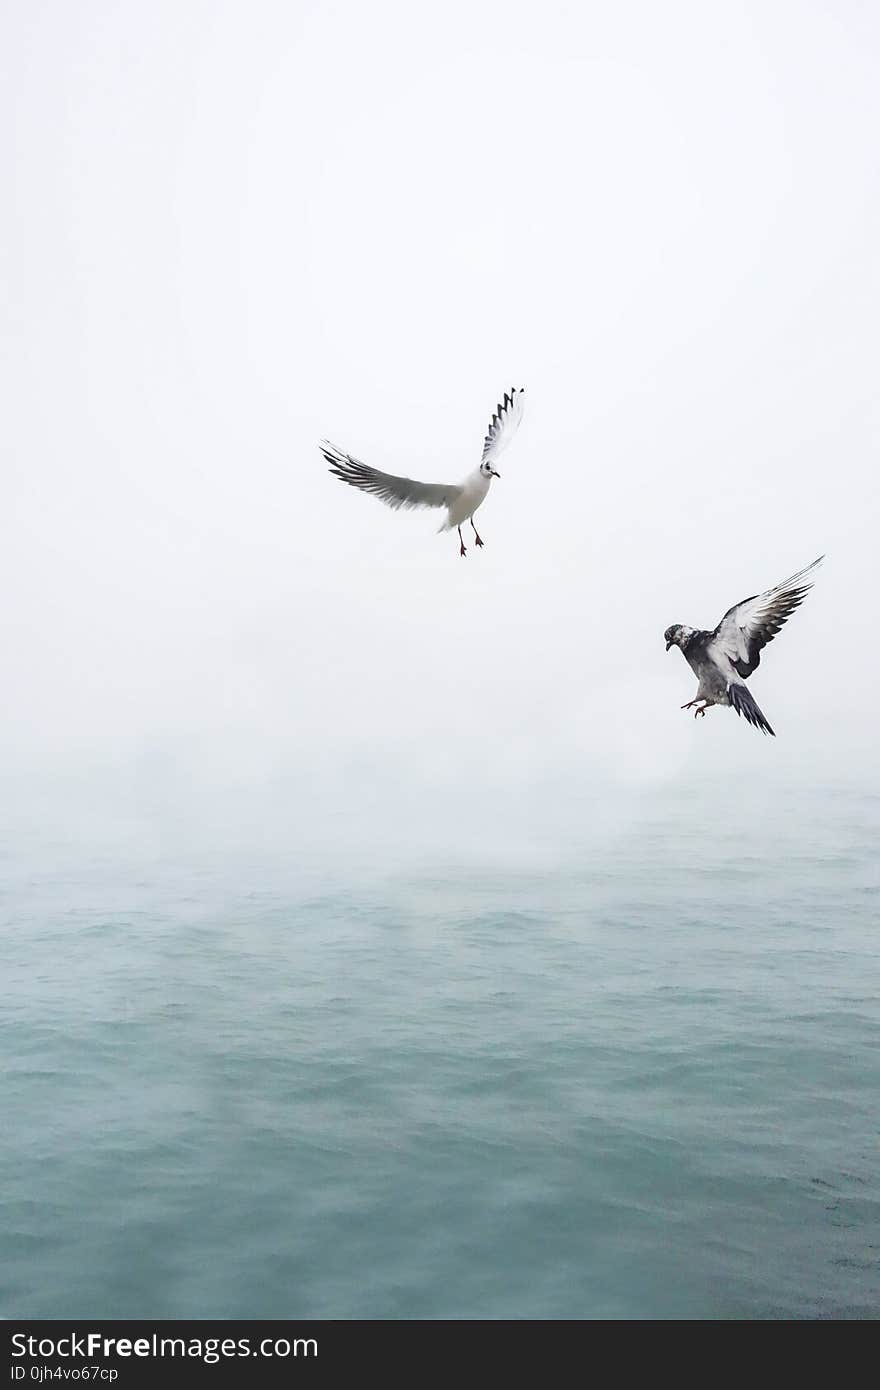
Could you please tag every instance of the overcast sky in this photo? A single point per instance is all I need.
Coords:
(230, 229)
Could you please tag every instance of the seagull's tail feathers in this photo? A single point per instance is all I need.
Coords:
(745, 704)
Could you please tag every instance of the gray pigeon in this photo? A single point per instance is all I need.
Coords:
(721, 660)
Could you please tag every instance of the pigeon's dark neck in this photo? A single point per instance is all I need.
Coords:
(693, 640)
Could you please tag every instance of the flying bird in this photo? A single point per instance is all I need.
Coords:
(723, 659)
(461, 500)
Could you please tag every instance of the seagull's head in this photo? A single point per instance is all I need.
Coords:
(488, 471)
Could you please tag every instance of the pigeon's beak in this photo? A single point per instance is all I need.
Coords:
(668, 645)
(494, 474)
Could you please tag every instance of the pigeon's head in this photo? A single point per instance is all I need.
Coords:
(675, 635)
(487, 470)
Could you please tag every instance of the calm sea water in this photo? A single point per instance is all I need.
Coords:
(634, 1075)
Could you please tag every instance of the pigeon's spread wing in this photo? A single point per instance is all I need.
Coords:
(504, 424)
(747, 627)
(394, 492)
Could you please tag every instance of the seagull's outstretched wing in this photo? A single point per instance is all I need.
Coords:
(747, 627)
(504, 424)
(394, 492)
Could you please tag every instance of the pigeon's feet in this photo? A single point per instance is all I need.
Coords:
(701, 710)
(690, 704)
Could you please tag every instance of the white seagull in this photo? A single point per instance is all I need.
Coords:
(721, 660)
(461, 500)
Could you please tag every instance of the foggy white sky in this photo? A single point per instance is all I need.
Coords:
(230, 229)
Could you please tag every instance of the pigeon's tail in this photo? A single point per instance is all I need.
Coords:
(744, 703)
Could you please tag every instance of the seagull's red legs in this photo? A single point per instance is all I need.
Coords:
(463, 551)
(479, 542)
